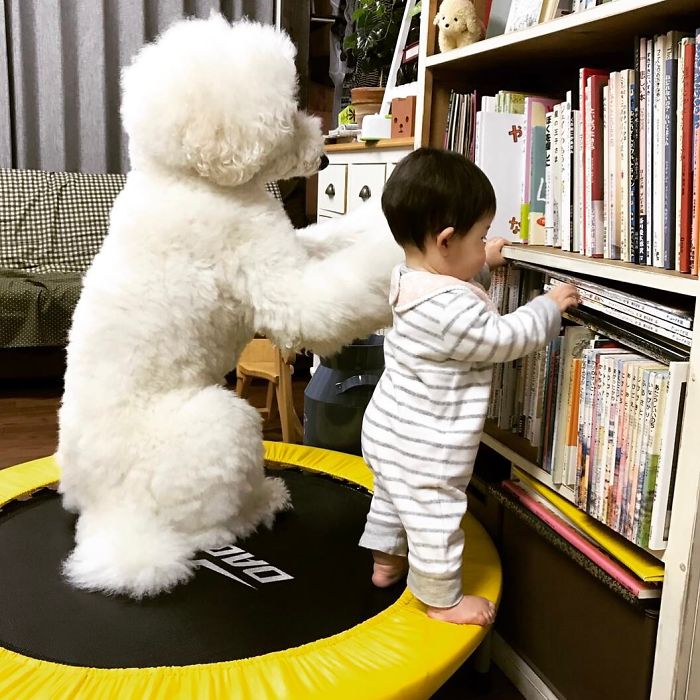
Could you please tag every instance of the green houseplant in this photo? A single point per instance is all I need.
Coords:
(371, 46)
(370, 50)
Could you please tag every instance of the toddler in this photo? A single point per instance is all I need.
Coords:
(422, 428)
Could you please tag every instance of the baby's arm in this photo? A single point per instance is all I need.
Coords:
(474, 333)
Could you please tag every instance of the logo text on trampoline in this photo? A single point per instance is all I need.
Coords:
(242, 562)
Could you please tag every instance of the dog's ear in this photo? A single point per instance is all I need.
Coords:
(226, 155)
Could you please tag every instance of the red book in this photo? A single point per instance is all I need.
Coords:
(584, 74)
(596, 202)
(686, 173)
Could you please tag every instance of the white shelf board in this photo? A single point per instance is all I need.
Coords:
(641, 275)
(577, 31)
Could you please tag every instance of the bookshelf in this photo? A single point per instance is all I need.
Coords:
(639, 275)
(546, 58)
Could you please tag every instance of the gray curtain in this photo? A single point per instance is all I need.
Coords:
(59, 74)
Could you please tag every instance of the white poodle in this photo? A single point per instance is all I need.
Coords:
(157, 457)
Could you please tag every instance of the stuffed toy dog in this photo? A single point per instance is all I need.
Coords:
(458, 25)
(157, 457)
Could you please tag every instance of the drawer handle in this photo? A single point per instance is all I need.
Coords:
(365, 193)
(330, 190)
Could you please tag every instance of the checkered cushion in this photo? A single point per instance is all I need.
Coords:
(274, 189)
(53, 222)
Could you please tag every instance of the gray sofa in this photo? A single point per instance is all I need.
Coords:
(51, 226)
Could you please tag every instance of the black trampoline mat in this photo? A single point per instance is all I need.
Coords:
(211, 618)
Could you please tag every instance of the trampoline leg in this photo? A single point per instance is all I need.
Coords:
(482, 657)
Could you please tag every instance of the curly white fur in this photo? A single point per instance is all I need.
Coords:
(458, 25)
(156, 456)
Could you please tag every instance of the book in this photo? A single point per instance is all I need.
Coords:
(695, 216)
(575, 340)
(670, 430)
(663, 312)
(523, 14)
(595, 202)
(623, 165)
(498, 18)
(684, 160)
(533, 203)
(633, 168)
(584, 75)
(642, 200)
(669, 194)
(650, 458)
(642, 564)
(647, 232)
(659, 154)
(616, 571)
(612, 308)
(501, 134)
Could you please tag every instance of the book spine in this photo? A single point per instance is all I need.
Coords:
(642, 151)
(549, 195)
(659, 151)
(624, 163)
(649, 152)
(597, 201)
(578, 184)
(671, 426)
(556, 177)
(525, 178)
(675, 317)
(648, 383)
(652, 458)
(634, 317)
(634, 167)
(582, 444)
(670, 86)
(606, 167)
(572, 430)
(613, 199)
(686, 147)
(616, 571)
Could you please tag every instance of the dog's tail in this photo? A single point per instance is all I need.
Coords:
(121, 550)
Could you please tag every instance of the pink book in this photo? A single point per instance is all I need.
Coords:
(611, 567)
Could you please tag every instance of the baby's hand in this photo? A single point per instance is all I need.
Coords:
(494, 256)
(565, 295)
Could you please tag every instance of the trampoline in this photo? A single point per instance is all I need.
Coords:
(286, 613)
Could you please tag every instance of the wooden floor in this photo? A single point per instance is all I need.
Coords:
(28, 423)
(28, 430)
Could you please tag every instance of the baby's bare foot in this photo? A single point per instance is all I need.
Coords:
(471, 610)
(388, 569)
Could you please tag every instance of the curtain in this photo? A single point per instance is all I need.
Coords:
(59, 73)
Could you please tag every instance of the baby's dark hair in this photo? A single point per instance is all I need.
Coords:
(430, 190)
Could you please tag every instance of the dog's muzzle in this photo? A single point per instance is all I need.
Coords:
(324, 161)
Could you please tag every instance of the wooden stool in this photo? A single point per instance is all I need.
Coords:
(262, 360)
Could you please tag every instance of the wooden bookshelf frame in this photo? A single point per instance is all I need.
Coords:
(599, 36)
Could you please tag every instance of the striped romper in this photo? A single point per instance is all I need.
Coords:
(423, 425)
